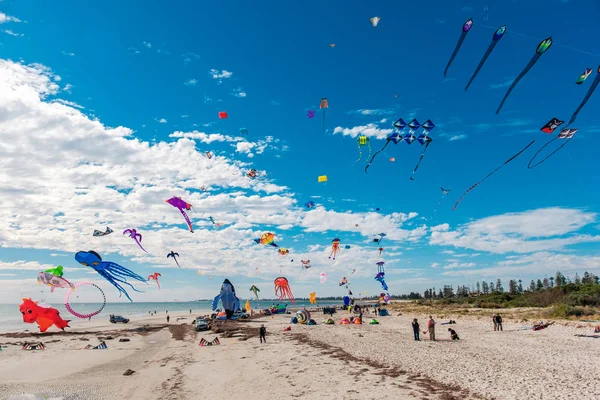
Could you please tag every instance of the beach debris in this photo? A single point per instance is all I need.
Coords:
(129, 372)
(44, 316)
(124, 340)
(33, 346)
(289, 328)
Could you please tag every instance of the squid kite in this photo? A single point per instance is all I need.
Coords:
(155, 277)
(587, 96)
(584, 76)
(267, 239)
(541, 49)
(182, 206)
(465, 29)
(137, 237)
(113, 273)
(324, 105)
(108, 231)
(552, 125)
(255, 290)
(423, 139)
(362, 141)
(335, 247)
(564, 134)
(444, 193)
(497, 36)
(174, 255)
(491, 173)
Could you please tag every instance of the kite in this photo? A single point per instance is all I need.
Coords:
(374, 21)
(137, 237)
(395, 137)
(228, 298)
(58, 271)
(302, 316)
(552, 125)
(305, 264)
(444, 193)
(380, 277)
(335, 247)
(251, 174)
(322, 178)
(332, 45)
(413, 126)
(423, 139)
(380, 251)
(248, 307)
(208, 155)
(182, 206)
(45, 316)
(283, 251)
(584, 76)
(324, 105)
(541, 49)
(492, 173)
(309, 204)
(282, 289)
(392, 159)
(108, 231)
(54, 281)
(255, 290)
(380, 239)
(587, 96)
(113, 273)
(267, 239)
(174, 255)
(497, 36)
(214, 342)
(564, 134)
(84, 316)
(362, 141)
(244, 131)
(347, 247)
(155, 276)
(223, 115)
(344, 281)
(313, 298)
(311, 113)
(322, 277)
(465, 29)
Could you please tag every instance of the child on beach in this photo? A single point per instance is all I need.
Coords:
(263, 333)
(453, 334)
(415, 325)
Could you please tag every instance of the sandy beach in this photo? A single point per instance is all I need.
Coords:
(323, 361)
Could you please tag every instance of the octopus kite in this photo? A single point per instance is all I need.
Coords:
(174, 255)
(137, 237)
(335, 247)
(267, 239)
(113, 273)
(282, 289)
(44, 316)
(181, 206)
(362, 140)
(255, 290)
(465, 29)
(497, 36)
(154, 277)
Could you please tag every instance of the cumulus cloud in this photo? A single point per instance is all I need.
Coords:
(370, 130)
(239, 92)
(11, 33)
(147, 45)
(204, 137)
(190, 82)
(7, 18)
(457, 137)
(220, 75)
(384, 111)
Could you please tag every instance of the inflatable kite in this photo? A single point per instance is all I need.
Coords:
(283, 251)
(313, 298)
(282, 289)
(228, 298)
(182, 206)
(44, 316)
(108, 231)
(84, 316)
(323, 277)
(114, 273)
(137, 237)
(465, 29)
(303, 316)
(174, 255)
(155, 276)
(53, 281)
(587, 97)
(335, 247)
(267, 239)
(255, 290)
(497, 36)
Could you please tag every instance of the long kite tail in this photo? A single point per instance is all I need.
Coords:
(529, 166)
(187, 219)
(587, 97)
(359, 152)
(492, 173)
(140, 244)
(176, 262)
(517, 79)
(463, 35)
(437, 206)
(412, 178)
(324, 110)
(374, 155)
(483, 60)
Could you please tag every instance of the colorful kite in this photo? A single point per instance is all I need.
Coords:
(335, 247)
(497, 36)
(267, 239)
(223, 115)
(587, 96)
(423, 139)
(252, 173)
(311, 113)
(362, 141)
(58, 271)
(283, 251)
(323, 277)
(552, 125)
(380, 238)
(395, 137)
(182, 206)
(465, 29)
(309, 204)
(255, 290)
(584, 76)
(305, 264)
(491, 173)
(541, 49)
(113, 273)
(283, 290)
(324, 105)
(322, 178)
(155, 276)
(45, 316)
(380, 277)
(137, 237)
(313, 298)
(228, 298)
(79, 315)
(444, 193)
(174, 255)
(53, 281)
(380, 251)
(108, 231)
(374, 21)
(566, 133)
(344, 281)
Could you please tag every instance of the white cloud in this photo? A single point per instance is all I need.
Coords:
(160, 120)
(203, 137)
(7, 18)
(370, 130)
(220, 75)
(147, 45)
(189, 58)
(435, 265)
(239, 92)
(11, 33)
(457, 137)
(190, 82)
(373, 112)
(456, 265)
(68, 103)
(67, 88)
(64, 53)
(133, 50)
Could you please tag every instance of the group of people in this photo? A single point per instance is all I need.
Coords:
(431, 330)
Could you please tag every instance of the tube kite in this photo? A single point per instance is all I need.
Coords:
(587, 96)
(174, 255)
(564, 134)
(541, 49)
(79, 315)
(497, 36)
(181, 206)
(465, 29)
(137, 237)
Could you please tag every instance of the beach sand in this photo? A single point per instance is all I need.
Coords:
(321, 362)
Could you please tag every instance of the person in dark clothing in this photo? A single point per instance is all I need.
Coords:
(499, 322)
(453, 334)
(263, 333)
(415, 325)
(360, 314)
(168, 318)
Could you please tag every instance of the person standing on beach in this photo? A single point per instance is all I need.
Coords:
(360, 314)
(168, 318)
(415, 325)
(499, 322)
(431, 328)
(263, 333)
(495, 322)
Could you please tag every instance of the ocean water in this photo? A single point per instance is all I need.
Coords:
(12, 321)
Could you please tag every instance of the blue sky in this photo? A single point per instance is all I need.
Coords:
(113, 106)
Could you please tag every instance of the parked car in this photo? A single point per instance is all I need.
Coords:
(201, 324)
(117, 318)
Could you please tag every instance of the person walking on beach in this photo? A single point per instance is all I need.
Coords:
(499, 322)
(431, 328)
(360, 314)
(415, 325)
(495, 322)
(453, 334)
(168, 318)
(263, 333)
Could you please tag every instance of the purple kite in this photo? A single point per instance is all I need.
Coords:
(182, 205)
(135, 236)
(311, 113)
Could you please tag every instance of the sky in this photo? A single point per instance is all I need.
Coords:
(108, 109)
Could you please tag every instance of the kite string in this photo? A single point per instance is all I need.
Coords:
(492, 173)
(529, 166)
(374, 155)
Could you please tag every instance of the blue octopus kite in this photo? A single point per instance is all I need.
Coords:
(108, 270)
